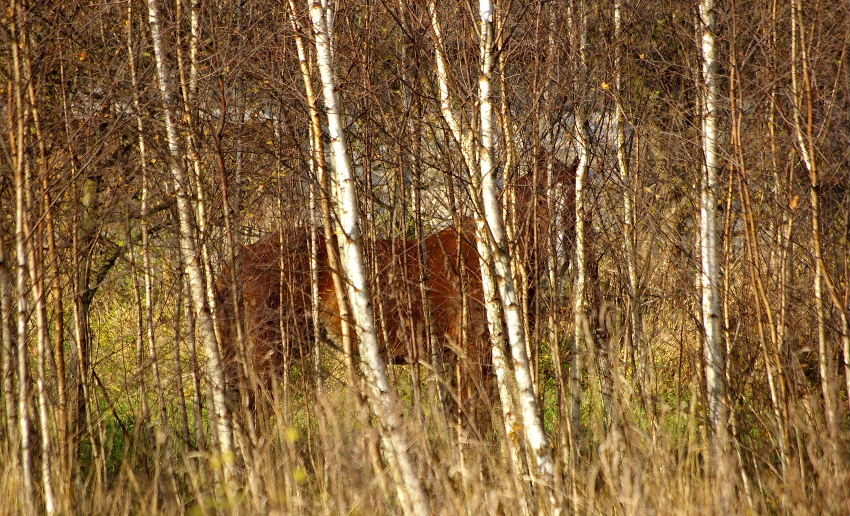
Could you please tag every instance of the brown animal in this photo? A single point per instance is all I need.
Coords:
(275, 279)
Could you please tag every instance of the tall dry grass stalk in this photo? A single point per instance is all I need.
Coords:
(323, 457)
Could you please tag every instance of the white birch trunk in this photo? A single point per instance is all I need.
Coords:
(194, 35)
(629, 188)
(580, 323)
(488, 281)
(224, 428)
(384, 402)
(314, 276)
(715, 360)
(7, 342)
(582, 333)
(188, 89)
(316, 169)
(463, 139)
(19, 163)
(30, 262)
(319, 164)
(23, 372)
(531, 416)
(43, 339)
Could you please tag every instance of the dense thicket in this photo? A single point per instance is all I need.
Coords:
(118, 239)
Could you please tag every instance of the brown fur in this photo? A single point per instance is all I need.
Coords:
(275, 279)
(271, 273)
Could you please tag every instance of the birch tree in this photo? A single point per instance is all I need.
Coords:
(583, 335)
(710, 275)
(17, 132)
(35, 267)
(382, 397)
(319, 165)
(531, 418)
(504, 376)
(52, 276)
(190, 253)
(42, 339)
(463, 138)
(492, 245)
(644, 366)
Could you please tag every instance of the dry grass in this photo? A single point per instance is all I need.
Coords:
(322, 457)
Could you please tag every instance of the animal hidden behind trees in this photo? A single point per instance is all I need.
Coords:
(562, 257)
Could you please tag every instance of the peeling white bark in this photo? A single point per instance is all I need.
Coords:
(715, 360)
(383, 400)
(190, 252)
(579, 346)
(530, 410)
(464, 139)
(493, 312)
(18, 130)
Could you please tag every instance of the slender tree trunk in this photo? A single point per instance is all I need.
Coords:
(146, 337)
(431, 341)
(7, 345)
(463, 138)
(645, 367)
(187, 89)
(580, 318)
(504, 375)
(774, 368)
(55, 298)
(63, 439)
(197, 390)
(35, 268)
(37, 274)
(81, 422)
(248, 378)
(555, 238)
(803, 104)
(583, 334)
(317, 146)
(82, 338)
(494, 228)
(21, 338)
(314, 274)
(17, 132)
(178, 363)
(715, 359)
(141, 366)
(191, 256)
(383, 400)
